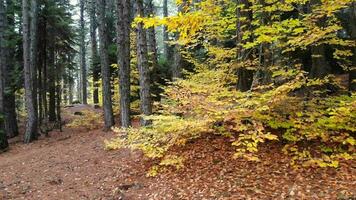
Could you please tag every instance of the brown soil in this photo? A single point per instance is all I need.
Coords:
(74, 165)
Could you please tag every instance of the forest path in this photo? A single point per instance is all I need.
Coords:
(73, 164)
(68, 165)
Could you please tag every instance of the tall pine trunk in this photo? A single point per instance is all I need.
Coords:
(82, 54)
(94, 52)
(31, 126)
(142, 63)
(11, 127)
(123, 46)
(33, 56)
(104, 61)
(3, 137)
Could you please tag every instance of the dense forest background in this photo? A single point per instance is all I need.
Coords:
(253, 71)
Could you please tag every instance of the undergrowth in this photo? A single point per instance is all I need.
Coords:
(315, 125)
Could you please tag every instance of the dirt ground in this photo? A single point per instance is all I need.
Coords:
(73, 164)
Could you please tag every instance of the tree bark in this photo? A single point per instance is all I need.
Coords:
(166, 46)
(94, 52)
(151, 38)
(244, 17)
(105, 68)
(142, 63)
(31, 126)
(33, 56)
(123, 46)
(11, 127)
(82, 54)
(51, 80)
(3, 137)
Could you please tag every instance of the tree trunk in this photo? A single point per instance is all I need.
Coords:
(33, 56)
(244, 17)
(320, 66)
(151, 38)
(31, 126)
(11, 127)
(105, 68)
(142, 63)
(166, 46)
(123, 46)
(3, 137)
(51, 81)
(94, 52)
(177, 57)
(82, 54)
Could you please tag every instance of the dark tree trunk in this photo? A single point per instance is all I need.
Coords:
(33, 56)
(82, 54)
(3, 137)
(51, 82)
(245, 76)
(105, 68)
(263, 74)
(142, 63)
(94, 52)
(123, 44)
(11, 127)
(31, 126)
(320, 66)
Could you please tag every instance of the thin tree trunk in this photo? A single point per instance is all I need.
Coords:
(166, 47)
(105, 68)
(3, 137)
(51, 82)
(123, 44)
(82, 54)
(94, 52)
(177, 57)
(142, 63)
(151, 38)
(31, 126)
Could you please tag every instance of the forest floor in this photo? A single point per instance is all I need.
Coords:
(73, 164)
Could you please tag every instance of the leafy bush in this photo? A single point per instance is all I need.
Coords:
(316, 131)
